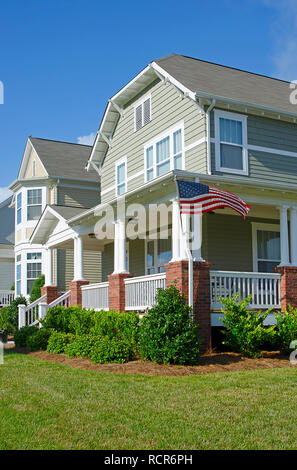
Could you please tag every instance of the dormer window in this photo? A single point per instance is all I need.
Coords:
(142, 113)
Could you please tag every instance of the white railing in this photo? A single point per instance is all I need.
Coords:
(264, 288)
(29, 315)
(95, 296)
(62, 301)
(141, 291)
(6, 297)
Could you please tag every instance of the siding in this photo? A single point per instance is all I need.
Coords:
(6, 274)
(136, 259)
(39, 169)
(75, 197)
(92, 267)
(107, 261)
(167, 110)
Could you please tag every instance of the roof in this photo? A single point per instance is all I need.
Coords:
(64, 158)
(67, 212)
(228, 82)
(6, 223)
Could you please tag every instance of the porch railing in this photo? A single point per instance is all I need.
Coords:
(95, 296)
(32, 314)
(62, 301)
(6, 297)
(141, 291)
(264, 288)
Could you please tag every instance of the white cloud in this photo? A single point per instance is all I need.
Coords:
(4, 194)
(284, 33)
(87, 139)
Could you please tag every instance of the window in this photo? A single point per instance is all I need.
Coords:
(18, 275)
(19, 208)
(158, 253)
(165, 153)
(142, 113)
(266, 248)
(121, 176)
(34, 204)
(33, 269)
(231, 142)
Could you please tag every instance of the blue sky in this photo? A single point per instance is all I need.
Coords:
(60, 61)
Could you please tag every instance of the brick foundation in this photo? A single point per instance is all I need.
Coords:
(177, 274)
(75, 292)
(51, 293)
(117, 291)
(288, 286)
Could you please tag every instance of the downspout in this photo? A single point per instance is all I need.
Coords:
(209, 109)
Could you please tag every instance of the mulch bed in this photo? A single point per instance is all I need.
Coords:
(211, 362)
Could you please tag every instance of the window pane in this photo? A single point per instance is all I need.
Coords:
(34, 196)
(33, 212)
(231, 131)
(18, 288)
(150, 174)
(163, 150)
(19, 216)
(267, 266)
(163, 168)
(121, 189)
(19, 201)
(178, 163)
(150, 257)
(268, 245)
(231, 157)
(35, 256)
(29, 286)
(18, 272)
(121, 170)
(164, 253)
(149, 157)
(177, 142)
(33, 270)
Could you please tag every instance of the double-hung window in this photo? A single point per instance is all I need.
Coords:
(158, 253)
(34, 204)
(164, 153)
(142, 113)
(34, 267)
(19, 208)
(18, 276)
(266, 248)
(231, 142)
(121, 176)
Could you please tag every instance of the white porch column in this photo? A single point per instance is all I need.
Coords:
(176, 231)
(197, 237)
(78, 259)
(120, 247)
(48, 268)
(184, 239)
(293, 235)
(284, 236)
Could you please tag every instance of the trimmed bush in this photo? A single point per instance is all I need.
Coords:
(9, 315)
(81, 346)
(286, 329)
(81, 320)
(109, 350)
(115, 324)
(21, 335)
(57, 319)
(244, 331)
(58, 341)
(38, 340)
(36, 288)
(168, 334)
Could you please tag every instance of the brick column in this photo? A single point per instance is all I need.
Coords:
(177, 274)
(51, 293)
(288, 286)
(117, 291)
(75, 292)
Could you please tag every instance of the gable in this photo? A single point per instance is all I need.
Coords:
(26, 170)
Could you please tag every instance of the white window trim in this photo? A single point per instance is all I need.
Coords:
(260, 226)
(155, 241)
(117, 164)
(140, 103)
(43, 203)
(19, 209)
(152, 143)
(236, 117)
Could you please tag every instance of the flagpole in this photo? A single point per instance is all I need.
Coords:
(189, 254)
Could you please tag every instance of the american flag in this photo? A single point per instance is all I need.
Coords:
(196, 198)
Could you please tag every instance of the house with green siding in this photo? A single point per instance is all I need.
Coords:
(182, 119)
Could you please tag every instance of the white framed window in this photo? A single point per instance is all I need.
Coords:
(34, 268)
(34, 203)
(142, 112)
(19, 208)
(165, 153)
(231, 151)
(266, 247)
(121, 176)
(157, 254)
(18, 275)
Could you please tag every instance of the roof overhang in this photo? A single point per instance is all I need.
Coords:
(46, 225)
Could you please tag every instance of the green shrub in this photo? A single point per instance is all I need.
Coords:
(6, 325)
(109, 350)
(38, 340)
(244, 331)
(21, 335)
(81, 346)
(58, 341)
(57, 319)
(115, 324)
(168, 333)
(286, 329)
(81, 320)
(9, 315)
(36, 288)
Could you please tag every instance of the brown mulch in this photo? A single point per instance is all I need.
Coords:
(210, 362)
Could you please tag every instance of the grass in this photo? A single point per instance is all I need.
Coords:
(44, 405)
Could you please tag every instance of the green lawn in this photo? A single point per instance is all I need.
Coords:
(50, 406)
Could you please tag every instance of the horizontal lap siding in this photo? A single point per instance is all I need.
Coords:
(107, 261)
(6, 274)
(92, 266)
(65, 267)
(167, 110)
(75, 197)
